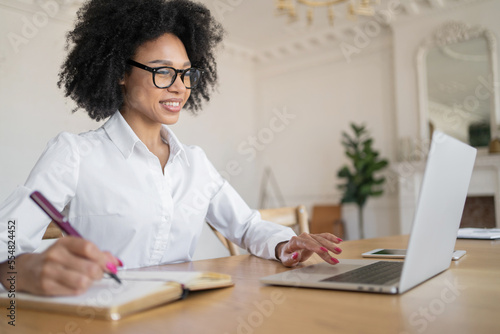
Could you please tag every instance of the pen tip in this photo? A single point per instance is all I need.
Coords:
(115, 278)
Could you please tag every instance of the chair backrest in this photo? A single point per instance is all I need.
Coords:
(52, 232)
(327, 218)
(286, 216)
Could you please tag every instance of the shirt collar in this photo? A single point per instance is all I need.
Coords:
(176, 147)
(122, 135)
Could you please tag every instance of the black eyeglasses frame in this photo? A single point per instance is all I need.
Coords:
(154, 71)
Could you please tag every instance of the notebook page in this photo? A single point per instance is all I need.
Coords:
(104, 293)
(183, 277)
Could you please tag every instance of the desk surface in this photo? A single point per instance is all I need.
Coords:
(463, 299)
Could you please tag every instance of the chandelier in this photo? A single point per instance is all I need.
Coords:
(354, 8)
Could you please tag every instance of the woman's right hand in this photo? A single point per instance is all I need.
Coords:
(68, 267)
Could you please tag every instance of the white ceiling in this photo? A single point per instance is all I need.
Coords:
(255, 25)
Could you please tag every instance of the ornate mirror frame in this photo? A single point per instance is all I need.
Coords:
(450, 33)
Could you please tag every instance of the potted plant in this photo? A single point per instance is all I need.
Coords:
(361, 182)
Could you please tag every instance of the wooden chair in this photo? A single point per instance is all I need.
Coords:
(52, 232)
(327, 218)
(295, 217)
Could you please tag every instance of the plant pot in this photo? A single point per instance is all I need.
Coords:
(350, 215)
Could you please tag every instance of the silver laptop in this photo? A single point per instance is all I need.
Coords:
(433, 235)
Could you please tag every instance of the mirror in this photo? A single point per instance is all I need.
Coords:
(458, 86)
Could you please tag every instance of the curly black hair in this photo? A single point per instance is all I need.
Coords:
(108, 32)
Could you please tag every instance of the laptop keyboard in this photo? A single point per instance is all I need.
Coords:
(378, 273)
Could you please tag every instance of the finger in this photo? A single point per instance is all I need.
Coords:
(81, 247)
(327, 244)
(113, 259)
(325, 255)
(330, 237)
(45, 277)
(290, 259)
(307, 243)
(303, 241)
(73, 281)
(89, 251)
(43, 274)
(55, 279)
(68, 260)
(55, 289)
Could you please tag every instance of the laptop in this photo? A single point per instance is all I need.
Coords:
(432, 239)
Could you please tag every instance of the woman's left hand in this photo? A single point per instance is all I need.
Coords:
(301, 247)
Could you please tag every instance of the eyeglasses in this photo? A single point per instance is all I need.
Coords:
(165, 76)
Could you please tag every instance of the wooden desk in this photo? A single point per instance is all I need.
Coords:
(463, 299)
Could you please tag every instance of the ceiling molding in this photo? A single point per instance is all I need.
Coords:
(437, 3)
(237, 52)
(413, 9)
(317, 42)
(410, 7)
(277, 67)
(331, 38)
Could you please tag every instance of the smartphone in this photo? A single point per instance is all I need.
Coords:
(401, 253)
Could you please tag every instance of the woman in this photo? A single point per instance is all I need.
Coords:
(131, 186)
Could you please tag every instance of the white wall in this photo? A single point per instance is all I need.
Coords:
(32, 108)
(325, 93)
(225, 123)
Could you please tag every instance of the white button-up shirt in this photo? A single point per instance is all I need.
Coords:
(120, 199)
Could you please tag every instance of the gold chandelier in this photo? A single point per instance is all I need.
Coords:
(355, 7)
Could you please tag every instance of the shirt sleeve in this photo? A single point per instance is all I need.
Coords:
(55, 175)
(231, 216)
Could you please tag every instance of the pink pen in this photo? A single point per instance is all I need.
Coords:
(59, 219)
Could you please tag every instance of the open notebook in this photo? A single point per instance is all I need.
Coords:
(139, 290)
(479, 233)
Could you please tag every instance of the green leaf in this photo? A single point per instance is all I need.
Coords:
(355, 128)
(359, 176)
(350, 155)
(367, 144)
(380, 164)
(376, 193)
(344, 172)
(365, 189)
